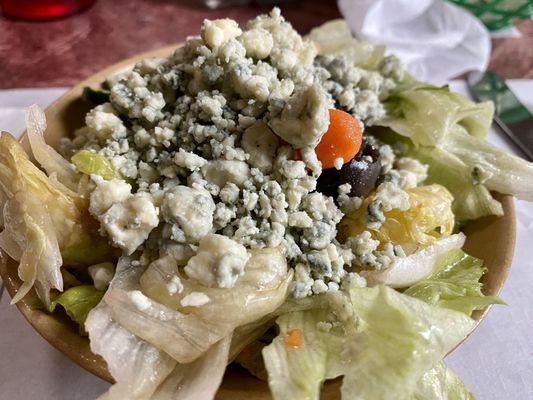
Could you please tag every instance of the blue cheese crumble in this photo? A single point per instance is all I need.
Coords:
(205, 140)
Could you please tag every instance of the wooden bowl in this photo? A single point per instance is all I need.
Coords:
(491, 239)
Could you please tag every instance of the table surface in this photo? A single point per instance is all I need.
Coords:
(65, 51)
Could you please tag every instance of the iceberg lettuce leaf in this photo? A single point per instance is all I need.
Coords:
(492, 167)
(297, 372)
(52, 162)
(447, 132)
(426, 114)
(38, 215)
(382, 341)
(472, 200)
(440, 383)
(185, 333)
(406, 271)
(43, 217)
(199, 379)
(455, 284)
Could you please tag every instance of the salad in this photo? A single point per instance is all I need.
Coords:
(290, 204)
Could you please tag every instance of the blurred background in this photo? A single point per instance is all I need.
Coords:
(64, 50)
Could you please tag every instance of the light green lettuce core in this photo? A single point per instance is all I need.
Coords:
(91, 163)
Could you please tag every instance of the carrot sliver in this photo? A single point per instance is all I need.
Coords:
(294, 338)
(342, 140)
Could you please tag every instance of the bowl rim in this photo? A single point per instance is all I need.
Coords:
(41, 320)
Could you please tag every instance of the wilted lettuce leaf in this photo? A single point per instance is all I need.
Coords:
(199, 379)
(455, 284)
(78, 301)
(141, 370)
(39, 216)
(382, 341)
(185, 333)
(87, 250)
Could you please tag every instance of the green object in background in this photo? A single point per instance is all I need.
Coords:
(498, 14)
(491, 86)
(78, 301)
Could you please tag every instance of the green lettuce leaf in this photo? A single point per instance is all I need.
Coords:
(88, 249)
(91, 163)
(77, 302)
(472, 200)
(426, 114)
(492, 167)
(298, 373)
(440, 383)
(455, 284)
(447, 132)
(382, 341)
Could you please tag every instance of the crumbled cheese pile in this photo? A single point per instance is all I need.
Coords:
(205, 142)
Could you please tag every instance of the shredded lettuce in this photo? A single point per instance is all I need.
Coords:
(78, 301)
(382, 341)
(40, 215)
(46, 222)
(52, 162)
(455, 284)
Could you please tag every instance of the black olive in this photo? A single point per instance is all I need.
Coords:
(360, 173)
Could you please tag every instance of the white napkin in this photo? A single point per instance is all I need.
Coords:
(435, 40)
